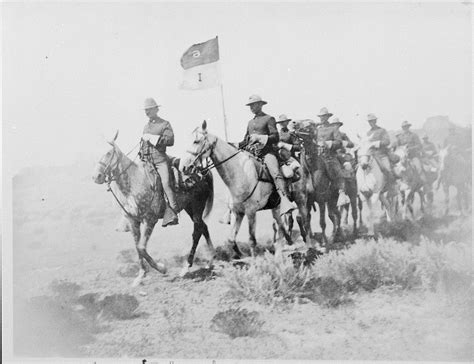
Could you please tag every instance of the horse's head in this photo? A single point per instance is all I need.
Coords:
(201, 149)
(107, 165)
(304, 129)
(364, 152)
(401, 165)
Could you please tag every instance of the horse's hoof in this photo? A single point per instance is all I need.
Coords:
(161, 268)
(183, 272)
(137, 281)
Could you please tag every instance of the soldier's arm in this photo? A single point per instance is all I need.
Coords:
(167, 136)
(384, 139)
(336, 139)
(273, 135)
(346, 142)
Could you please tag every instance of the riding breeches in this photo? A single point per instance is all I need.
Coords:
(417, 164)
(334, 171)
(273, 166)
(164, 172)
(384, 163)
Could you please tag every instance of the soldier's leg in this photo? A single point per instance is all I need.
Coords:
(273, 167)
(164, 172)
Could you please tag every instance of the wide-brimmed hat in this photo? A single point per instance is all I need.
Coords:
(371, 117)
(150, 103)
(255, 98)
(324, 111)
(336, 121)
(282, 118)
(406, 124)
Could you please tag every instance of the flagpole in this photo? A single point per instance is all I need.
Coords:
(223, 111)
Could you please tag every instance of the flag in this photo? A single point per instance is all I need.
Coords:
(200, 65)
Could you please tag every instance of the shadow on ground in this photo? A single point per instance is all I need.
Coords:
(63, 323)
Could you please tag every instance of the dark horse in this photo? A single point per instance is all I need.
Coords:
(144, 204)
(319, 186)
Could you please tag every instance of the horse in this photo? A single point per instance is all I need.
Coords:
(411, 182)
(244, 175)
(144, 204)
(318, 185)
(355, 203)
(372, 184)
(454, 170)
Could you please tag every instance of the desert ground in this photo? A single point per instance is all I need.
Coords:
(73, 296)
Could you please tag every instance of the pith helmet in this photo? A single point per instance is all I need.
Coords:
(255, 98)
(282, 118)
(406, 124)
(324, 111)
(150, 103)
(371, 117)
(336, 121)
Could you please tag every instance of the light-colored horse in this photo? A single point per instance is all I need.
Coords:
(411, 182)
(243, 175)
(144, 205)
(372, 185)
(455, 170)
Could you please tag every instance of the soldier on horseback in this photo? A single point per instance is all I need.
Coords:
(261, 139)
(288, 147)
(157, 135)
(345, 158)
(414, 146)
(380, 143)
(328, 140)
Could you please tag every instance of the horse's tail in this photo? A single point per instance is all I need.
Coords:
(210, 197)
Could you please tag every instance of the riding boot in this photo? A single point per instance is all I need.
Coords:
(285, 204)
(170, 216)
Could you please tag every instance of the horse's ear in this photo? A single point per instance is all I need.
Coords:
(112, 142)
(204, 125)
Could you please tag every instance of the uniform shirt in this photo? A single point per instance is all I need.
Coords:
(379, 134)
(411, 140)
(328, 133)
(262, 124)
(163, 128)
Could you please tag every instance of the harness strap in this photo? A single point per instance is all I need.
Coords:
(260, 175)
(118, 201)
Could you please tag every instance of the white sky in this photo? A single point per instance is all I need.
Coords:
(75, 72)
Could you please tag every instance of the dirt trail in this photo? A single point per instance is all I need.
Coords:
(64, 231)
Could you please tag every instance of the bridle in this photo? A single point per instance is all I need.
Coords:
(210, 149)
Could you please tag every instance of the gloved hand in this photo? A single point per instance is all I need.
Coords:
(345, 143)
(286, 146)
(328, 144)
(146, 137)
(256, 138)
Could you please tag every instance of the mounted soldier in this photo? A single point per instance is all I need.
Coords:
(289, 147)
(329, 140)
(157, 136)
(413, 145)
(261, 139)
(380, 144)
(345, 158)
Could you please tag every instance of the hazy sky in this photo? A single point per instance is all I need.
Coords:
(73, 73)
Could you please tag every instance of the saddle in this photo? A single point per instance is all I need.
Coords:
(179, 181)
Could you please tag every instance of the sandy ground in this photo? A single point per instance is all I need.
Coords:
(64, 237)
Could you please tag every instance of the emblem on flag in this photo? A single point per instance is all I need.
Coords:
(200, 65)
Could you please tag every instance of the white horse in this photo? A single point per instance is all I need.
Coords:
(250, 187)
(372, 184)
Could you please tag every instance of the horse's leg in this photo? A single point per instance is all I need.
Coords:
(252, 219)
(353, 199)
(446, 198)
(234, 231)
(371, 202)
(197, 232)
(145, 231)
(143, 268)
(277, 217)
(359, 205)
(322, 221)
(210, 246)
(335, 217)
(460, 196)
